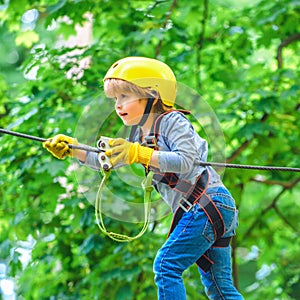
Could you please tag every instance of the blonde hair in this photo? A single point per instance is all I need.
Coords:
(113, 86)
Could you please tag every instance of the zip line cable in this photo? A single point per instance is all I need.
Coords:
(146, 185)
(35, 138)
(212, 164)
(250, 167)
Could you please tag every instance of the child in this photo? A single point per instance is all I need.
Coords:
(164, 141)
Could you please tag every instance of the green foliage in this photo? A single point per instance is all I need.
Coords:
(241, 56)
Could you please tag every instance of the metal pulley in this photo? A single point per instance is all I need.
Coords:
(103, 145)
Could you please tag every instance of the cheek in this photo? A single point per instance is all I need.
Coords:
(137, 106)
(141, 105)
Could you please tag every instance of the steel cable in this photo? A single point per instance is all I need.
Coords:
(212, 164)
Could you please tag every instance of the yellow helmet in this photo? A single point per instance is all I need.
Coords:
(146, 72)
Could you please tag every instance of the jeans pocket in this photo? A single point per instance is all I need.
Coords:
(225, 204)
(230, 218)
(208, 232)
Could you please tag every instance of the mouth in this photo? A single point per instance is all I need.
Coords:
(122, 114)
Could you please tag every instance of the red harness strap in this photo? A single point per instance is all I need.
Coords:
(156, 124)
(196, 194)
(192, 194)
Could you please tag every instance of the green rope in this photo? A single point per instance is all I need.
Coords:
(147, 187)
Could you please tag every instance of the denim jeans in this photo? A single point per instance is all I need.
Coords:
(191, 238)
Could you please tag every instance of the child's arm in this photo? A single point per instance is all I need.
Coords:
(154, 159)
(179, 154)
(80, 155)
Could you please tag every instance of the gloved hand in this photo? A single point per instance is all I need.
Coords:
(128, 153)
(58, 146)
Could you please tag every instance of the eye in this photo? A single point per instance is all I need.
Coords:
(122, 96)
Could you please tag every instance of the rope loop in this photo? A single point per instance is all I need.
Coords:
(147, 187)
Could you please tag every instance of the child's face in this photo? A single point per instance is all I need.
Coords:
(129, 107)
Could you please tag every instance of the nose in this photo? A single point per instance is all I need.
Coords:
(118, 103)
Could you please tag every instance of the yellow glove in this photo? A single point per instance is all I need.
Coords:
(128, 153)
(58, 146)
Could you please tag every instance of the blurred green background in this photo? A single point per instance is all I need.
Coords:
(242, 57)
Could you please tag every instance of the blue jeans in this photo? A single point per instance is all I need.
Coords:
(191, 238)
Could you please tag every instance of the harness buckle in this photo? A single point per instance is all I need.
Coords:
(150, 141)
(185, 204)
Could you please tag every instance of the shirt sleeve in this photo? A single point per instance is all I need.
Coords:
(92, 161)
(184, 148)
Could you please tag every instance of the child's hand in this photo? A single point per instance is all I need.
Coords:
(58, 145)
(128, 153)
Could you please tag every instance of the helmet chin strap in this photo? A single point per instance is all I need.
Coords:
(143, 119)
(146, 111)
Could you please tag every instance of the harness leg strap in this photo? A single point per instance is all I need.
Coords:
(204, 262)
(214, 217)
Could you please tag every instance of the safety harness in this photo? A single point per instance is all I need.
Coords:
(192, 194)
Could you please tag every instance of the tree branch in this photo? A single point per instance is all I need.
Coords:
(285, 184)
(238, 151)
(168, 14)
(293, 38)
(234, 263)
(285, 220)
(244, 146)
(200, 43)
(272, 205)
